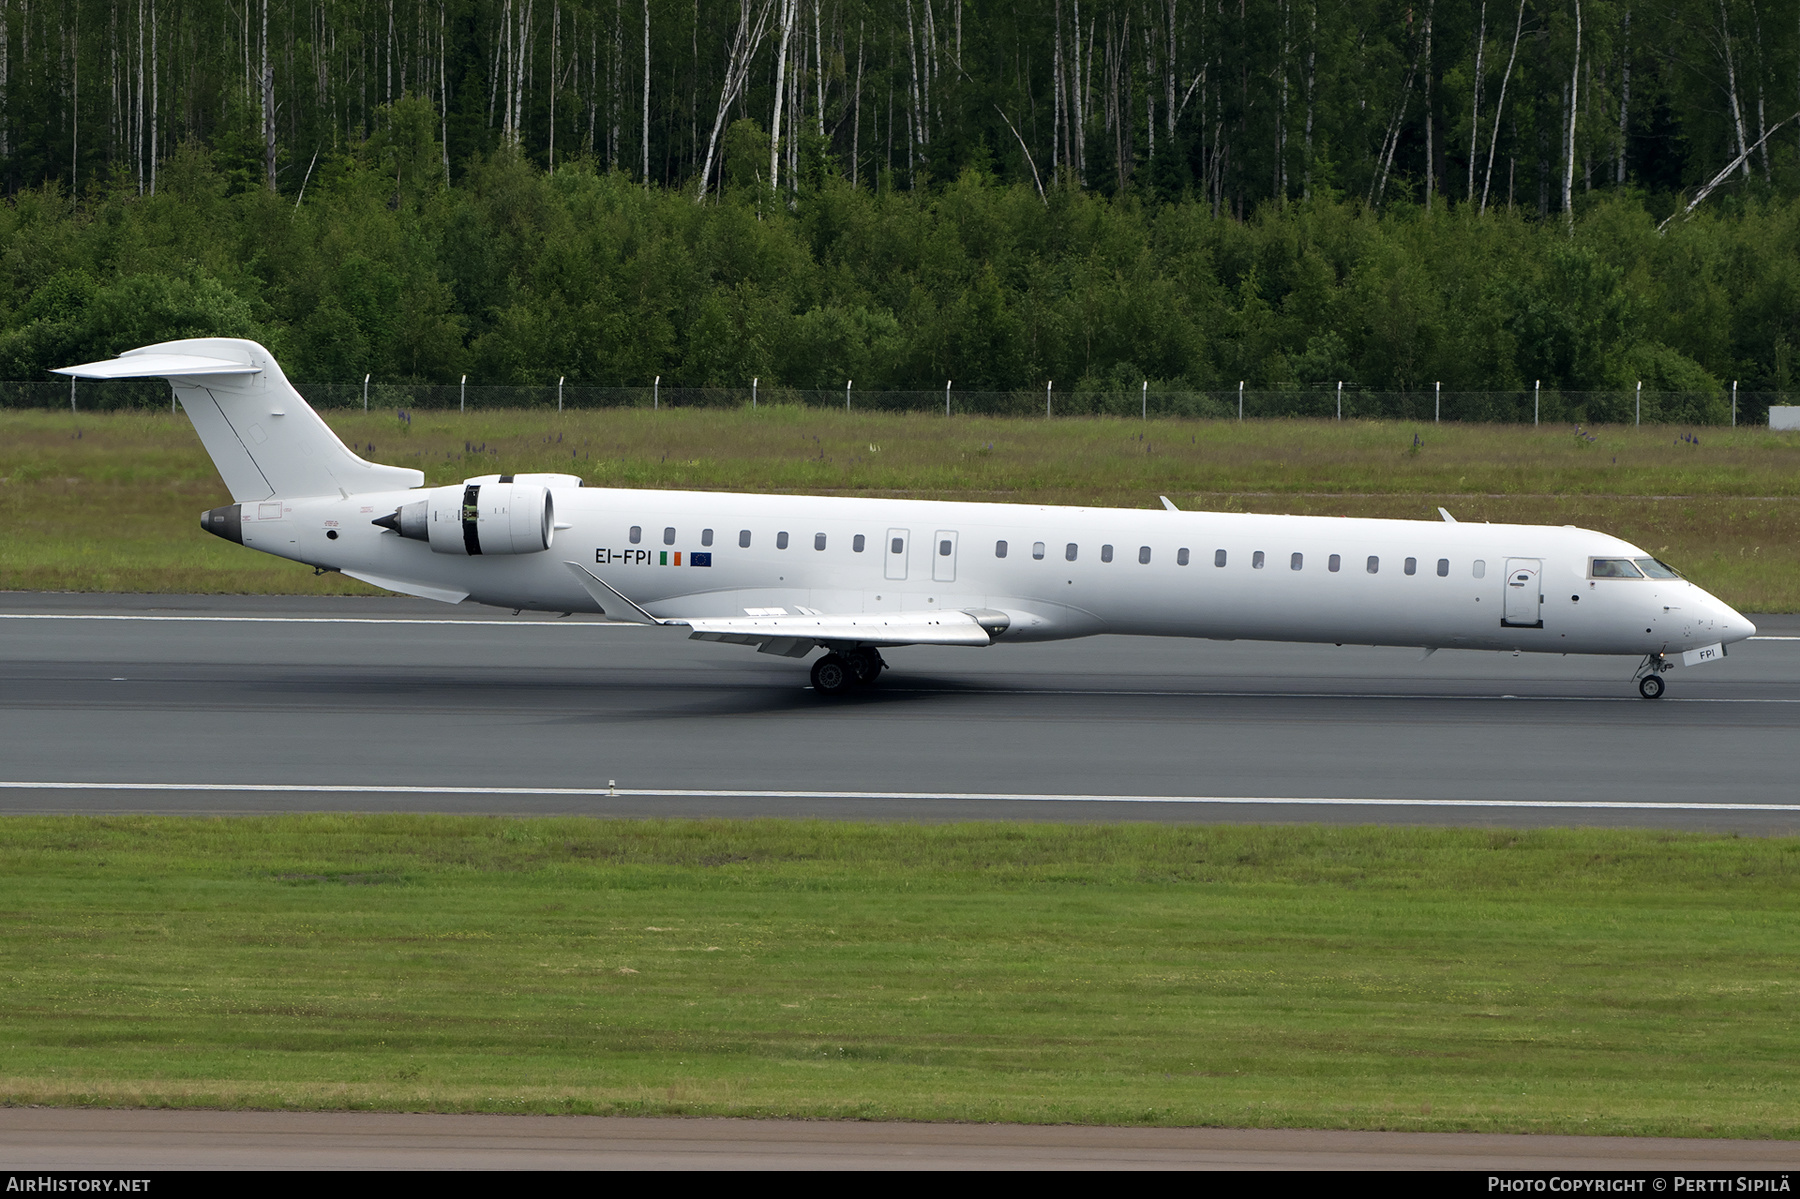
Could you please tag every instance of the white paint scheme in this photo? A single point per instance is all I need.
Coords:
(946, 584)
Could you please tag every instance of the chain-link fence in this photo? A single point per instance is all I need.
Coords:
(1506, 407)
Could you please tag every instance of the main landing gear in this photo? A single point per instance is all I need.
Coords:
(837, 673)
(1649, 676)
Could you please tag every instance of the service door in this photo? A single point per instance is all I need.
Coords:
(896, 553)
(1524, 595)
(943, 556)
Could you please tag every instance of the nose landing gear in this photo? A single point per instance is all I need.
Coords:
(838, 673)
(1649, 675)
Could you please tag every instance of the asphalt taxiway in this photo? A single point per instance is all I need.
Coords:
(260, 704)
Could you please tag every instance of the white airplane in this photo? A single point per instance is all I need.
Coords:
(790, 574)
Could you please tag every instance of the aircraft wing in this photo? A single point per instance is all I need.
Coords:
(795, 636)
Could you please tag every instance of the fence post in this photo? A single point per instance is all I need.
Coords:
(365, 393)
(1340, 399)
(1537, 395)
(71, 393)
(462, 396)
(946, 397)
(1437, 407)
(656, 395)
(753, 384)
(1047, 387)
(1240, 401)
(1640, 403)
(559, 383)
(1734, 403)
(1146, 412)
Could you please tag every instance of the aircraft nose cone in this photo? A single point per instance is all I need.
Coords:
(1733, 625)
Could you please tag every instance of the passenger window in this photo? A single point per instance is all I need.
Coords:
(899, 546)
(1443, 568)
(743, 539)
(1295, 562)
(1218, 557)
(944, 549)
(1070, 550)
(668, 536)
(781, 540)
(1374, 565)
(999, 549)
(1613, 568)
(637, 534)
(1106, 553)
(1181, 556)
(1037, 550)
(705, 536)
(1256, 560)
(1480, 569)
(1144, 554)
(1335, 561)
(1412, 566)
(818, 541)
(856, 544)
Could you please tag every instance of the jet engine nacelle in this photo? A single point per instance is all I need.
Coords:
(479, 518)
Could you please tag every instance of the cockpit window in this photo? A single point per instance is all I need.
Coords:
(1657, 570)
(1614, 568)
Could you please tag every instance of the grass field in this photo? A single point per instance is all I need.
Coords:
(1559, 981)
(109, 501)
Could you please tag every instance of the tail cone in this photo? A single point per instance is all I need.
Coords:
(226, 522)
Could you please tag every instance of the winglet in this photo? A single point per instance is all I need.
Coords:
(1169, 504)
(611, 601)
(1445, 513)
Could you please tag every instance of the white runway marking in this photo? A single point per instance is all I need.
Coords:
(1001, 796)
(1550, 699)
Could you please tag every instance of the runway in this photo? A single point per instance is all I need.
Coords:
(270, 704)
(102, 1140)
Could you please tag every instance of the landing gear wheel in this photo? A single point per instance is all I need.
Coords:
(1651, 686)
(865, 664)
(832, 675)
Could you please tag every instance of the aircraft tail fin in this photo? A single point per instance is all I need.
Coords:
(265, 440)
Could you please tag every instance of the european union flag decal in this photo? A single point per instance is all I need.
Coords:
(698, 559)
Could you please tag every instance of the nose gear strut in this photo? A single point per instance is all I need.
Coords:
(1649, 675)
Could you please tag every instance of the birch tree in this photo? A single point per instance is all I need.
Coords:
(752, 27)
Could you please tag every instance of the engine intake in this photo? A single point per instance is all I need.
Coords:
(478, 518)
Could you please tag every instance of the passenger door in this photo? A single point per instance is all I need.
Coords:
(895, 555)
(943, 556)
(1524, 603)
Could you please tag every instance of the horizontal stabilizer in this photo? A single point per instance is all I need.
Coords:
(878, 629)
(138, 365)
(265, 440)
